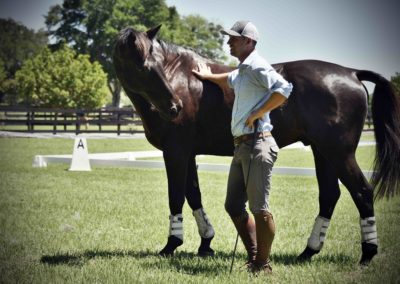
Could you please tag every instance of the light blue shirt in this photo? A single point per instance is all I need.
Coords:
(253, 82)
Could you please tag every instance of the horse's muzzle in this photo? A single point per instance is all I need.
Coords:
(176, 108)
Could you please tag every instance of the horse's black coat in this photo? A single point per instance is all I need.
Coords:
(184, 117)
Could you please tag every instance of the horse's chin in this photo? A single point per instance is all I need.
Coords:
(171, 116)
(174, 118)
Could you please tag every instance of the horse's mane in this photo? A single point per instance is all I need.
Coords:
(170, 48)
(129, 36)
(174, 56)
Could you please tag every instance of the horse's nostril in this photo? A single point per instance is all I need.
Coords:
(174, 111)
(176, 108)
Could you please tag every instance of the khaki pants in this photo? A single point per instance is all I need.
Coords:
(265, 154)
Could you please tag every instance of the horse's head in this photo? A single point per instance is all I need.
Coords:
(139, 67)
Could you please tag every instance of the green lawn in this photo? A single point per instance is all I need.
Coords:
(302, 157)
(72, 128)
(107, 225)
(296, 158)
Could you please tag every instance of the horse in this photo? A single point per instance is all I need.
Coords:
(184, 117)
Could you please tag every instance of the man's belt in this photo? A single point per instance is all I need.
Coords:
(247, 137)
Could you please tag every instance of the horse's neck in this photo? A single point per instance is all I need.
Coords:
(175, 56)
(178, 63)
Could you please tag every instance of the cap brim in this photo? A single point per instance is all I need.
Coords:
(229, 32)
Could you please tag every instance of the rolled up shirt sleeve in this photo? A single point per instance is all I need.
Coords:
(274, 81)
(231, 76)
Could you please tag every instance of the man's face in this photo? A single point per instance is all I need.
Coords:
(237, 45)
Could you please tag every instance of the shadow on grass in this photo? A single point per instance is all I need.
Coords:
(185, 262)
(291, 259)
(81, 258)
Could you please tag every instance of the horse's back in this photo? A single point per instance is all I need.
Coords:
(326, 98)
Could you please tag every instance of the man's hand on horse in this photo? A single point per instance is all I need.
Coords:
(202, 71)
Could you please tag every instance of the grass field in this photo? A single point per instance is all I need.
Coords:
(107, 225)
(71, 128)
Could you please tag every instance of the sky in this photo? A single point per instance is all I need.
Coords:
(362, 34)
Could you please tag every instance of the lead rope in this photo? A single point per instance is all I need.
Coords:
(245, 187)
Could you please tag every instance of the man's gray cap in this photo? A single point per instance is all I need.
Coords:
(242, 28)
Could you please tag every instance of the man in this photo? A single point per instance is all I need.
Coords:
(258, 90)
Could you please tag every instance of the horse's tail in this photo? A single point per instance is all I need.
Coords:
(386, 117)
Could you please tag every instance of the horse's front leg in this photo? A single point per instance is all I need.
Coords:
(193, 196)
(176, 161)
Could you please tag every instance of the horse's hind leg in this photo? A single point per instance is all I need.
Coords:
(361, 192)
(329, 194)
(343, 160)
(193, 196)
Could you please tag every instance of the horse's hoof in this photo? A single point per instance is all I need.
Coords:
(368, 252)
(307, 254)
(166, 253)
(170, 247)
(205, 250)
(206, 253)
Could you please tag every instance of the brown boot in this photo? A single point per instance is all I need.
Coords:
(265, 227)
(246, 229)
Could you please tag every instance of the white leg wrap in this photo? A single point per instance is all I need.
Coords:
(318, 233)
(176, 226)
(206, 230)
(368, 230)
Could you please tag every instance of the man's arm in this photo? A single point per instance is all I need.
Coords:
(272, 103)
(280, 88)
(203, 72)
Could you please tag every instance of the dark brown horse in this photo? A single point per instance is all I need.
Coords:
(184, 117)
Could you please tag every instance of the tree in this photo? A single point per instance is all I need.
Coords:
(3, 77)
(18, 43)
(91, 27)
(204, 36)
(396, 82)
(62, 79)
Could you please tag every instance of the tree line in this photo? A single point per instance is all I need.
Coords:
(70, 64)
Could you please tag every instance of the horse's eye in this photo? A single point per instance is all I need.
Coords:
(151, 50)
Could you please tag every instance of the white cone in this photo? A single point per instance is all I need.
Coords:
(80, 157)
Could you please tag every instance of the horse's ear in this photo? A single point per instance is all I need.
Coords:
(153, 32)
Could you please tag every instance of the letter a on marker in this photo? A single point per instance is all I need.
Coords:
(80, 144)
(80, 156)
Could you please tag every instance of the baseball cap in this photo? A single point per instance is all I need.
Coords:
(242, 28)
